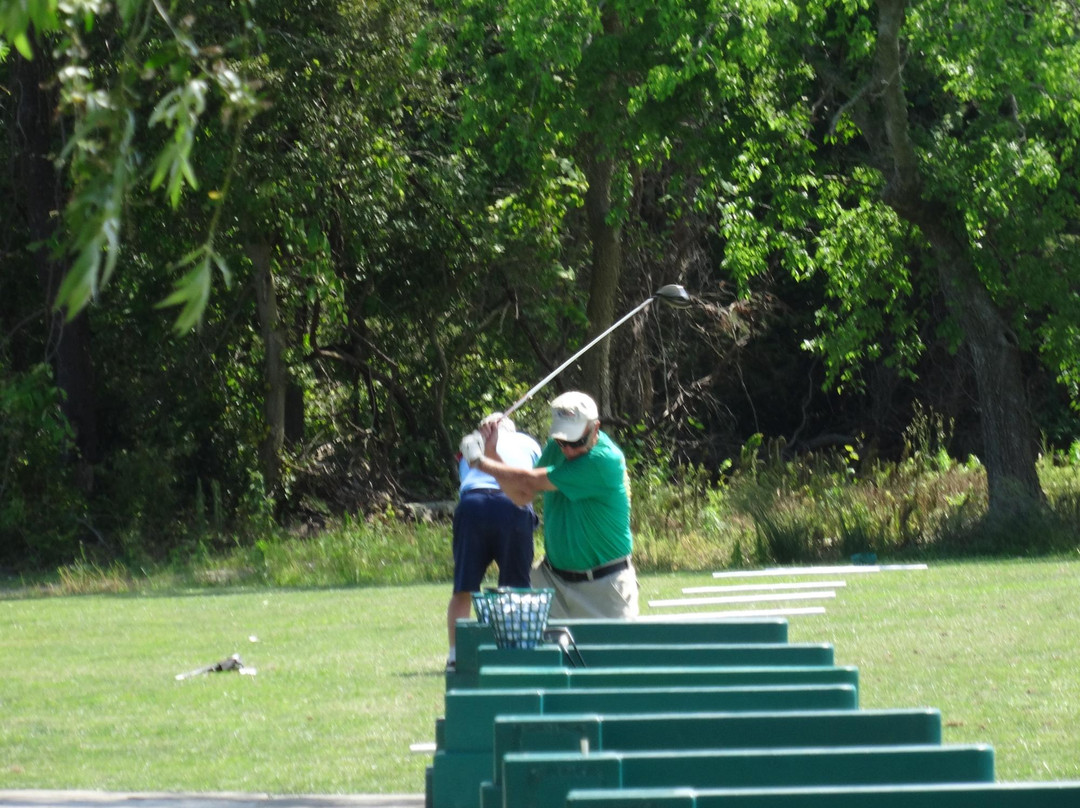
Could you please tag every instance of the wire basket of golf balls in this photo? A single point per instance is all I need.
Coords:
(517, 616)
(482, 607)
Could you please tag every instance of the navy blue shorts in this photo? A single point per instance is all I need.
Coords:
(488, 527)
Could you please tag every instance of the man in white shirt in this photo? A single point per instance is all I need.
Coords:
(488, 527)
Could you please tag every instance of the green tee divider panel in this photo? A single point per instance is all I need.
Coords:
(684, 655)
(689, 714)
(466, 759)
(471, 714)
(699, 699)
(670, 632)
(680, 797)
(628, 632)
(455, 779)
(1063, 794)
(495, 677)
(631, 733)
(467, 673)
(470, 635)
(543, 780)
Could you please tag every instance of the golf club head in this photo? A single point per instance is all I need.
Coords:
(674, 295)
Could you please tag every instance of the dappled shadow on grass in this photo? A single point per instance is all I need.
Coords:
(421, 674)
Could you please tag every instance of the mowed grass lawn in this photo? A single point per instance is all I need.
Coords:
(348, 678)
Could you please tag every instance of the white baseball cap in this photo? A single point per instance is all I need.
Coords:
(571, 415)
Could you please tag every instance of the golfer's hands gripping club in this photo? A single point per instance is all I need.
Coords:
(472, 448)
(483, 441)
(489, 432)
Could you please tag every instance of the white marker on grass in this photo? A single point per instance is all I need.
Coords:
(701, 590)
(716, 601)
(835, 570)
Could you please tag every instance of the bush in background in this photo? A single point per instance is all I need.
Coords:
(41, 505)
(823, 508)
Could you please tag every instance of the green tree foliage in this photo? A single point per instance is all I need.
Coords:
(345, 358)
(914, 138)
(991, 124)
(40, 508)
(867, 142)
(123, 73)
(574, 102)
(615, 129)
(322, 238)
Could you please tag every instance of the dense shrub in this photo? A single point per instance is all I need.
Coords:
(41, 505)
(820, 509)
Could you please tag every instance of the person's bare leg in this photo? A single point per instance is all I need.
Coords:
(459, 608)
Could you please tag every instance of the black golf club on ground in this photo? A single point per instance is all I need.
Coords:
(673, 294)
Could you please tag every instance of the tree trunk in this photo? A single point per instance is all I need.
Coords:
(68, 343)
(294, 413)
(604, 283)
(1009, 436)
(599, 166)
(275, 374)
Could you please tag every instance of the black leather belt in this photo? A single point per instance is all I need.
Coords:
(590, 575)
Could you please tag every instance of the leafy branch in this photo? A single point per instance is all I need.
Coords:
(102, 152)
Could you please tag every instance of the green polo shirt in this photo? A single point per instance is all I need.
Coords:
(587, 519)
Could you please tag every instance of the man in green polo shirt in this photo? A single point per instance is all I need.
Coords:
(582, 476)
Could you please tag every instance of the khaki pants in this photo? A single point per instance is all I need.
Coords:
(614, 596)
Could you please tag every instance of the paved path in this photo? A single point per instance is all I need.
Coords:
(118, 799)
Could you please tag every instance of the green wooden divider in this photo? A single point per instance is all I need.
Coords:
(513, 677)
(1063, 794)
(687, 655)
(634, 732)
(471, 636)
(543, 779)
(470, 714)
(465, 759)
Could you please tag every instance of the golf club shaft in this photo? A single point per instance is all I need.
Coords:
(539, 385)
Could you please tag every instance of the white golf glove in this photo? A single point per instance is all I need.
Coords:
(472, 448)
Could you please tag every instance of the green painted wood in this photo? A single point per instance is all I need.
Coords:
(820, 728)
(700, 699)
(544, 779)
(471, 717)
(632, 798)
(495, 677)
(702, 654)
(1063, 794)
(470, 714)
(454, 778)
(491, 795)
(470, 635)
(468, 656)
(847, 765)
(720, 630)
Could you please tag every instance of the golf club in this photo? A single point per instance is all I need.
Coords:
(672, 294)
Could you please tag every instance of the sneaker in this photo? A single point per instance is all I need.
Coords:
(451, 667)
